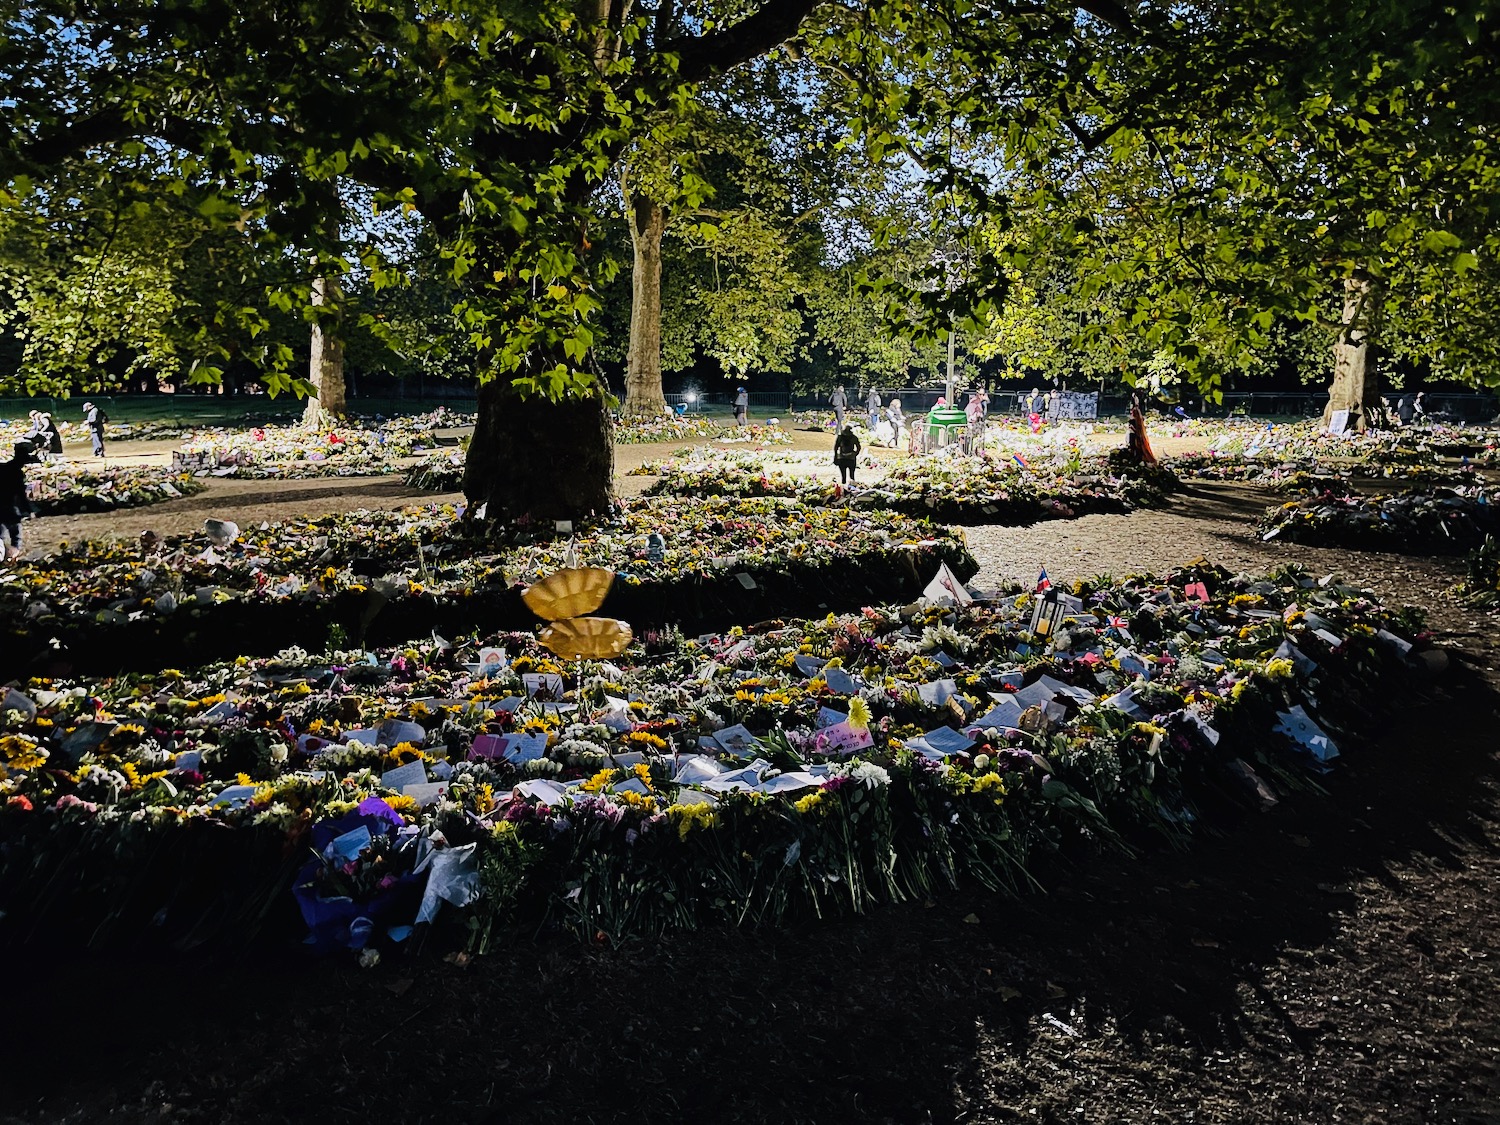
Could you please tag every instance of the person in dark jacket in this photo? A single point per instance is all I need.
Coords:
(49, 438)
(742, 408)
(14, 504)
(840, 403)
(846, 449)
(95, 419)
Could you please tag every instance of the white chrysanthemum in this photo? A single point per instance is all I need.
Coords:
(867, 774)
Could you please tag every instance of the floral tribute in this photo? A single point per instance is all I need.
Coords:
(801, 768)
(1481, 585)
(349, 447)
(303, 575)
(993, 488)
(60, 488)
(1438, 521)
(672, 427)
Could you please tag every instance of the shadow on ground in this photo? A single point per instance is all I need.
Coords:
(1332, 960)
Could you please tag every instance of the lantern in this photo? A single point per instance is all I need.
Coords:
(1047, 613)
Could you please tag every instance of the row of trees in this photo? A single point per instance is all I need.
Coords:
(1172, 184)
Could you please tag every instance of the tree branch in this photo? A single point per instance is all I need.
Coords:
(705, 56)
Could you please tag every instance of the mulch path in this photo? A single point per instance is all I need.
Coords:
(1334, 960)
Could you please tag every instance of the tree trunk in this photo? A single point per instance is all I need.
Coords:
(532, 459)
(326, 370)
(643, 395)
(1356, 381)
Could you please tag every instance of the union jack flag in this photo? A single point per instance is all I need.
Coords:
(1117, 622)
(1042, 581)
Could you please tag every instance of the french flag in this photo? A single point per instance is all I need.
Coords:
(1042, 581)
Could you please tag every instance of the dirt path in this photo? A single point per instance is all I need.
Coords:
(249, 502)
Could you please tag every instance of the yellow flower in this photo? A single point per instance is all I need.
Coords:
(638, 801)
(689, 817)
(403, 804)
(991, 783)
(643, 772)
(645, 739)
(859, 713)
(600, 781)
(805, 805)
(1279, 670)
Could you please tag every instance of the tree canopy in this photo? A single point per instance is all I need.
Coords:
(1273, 149)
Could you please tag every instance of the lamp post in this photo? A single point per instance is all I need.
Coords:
(950, 360)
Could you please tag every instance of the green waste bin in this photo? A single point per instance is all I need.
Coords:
(945, 426)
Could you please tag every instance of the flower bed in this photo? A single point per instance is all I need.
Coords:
(438, 472)
(1300, 474)
(992, 489)
(386, 575)
(647, 431)
(757, 776)
(954, 489)
(349, 447)
(62, 488)
(1439, 522)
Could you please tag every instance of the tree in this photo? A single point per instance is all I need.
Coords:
(499, 119)
(727, 197)
(126, 282)
(1295, 164)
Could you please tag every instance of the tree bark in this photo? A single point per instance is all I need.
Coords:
(1356, 381)
(326, 368)
(643, 394)
(536, 460)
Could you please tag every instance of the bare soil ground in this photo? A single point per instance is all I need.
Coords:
(1334, 960)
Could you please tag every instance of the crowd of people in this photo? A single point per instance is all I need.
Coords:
(886, 423)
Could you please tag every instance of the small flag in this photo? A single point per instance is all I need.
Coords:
(1042, 581)
(1019, 460)
(1117, 622)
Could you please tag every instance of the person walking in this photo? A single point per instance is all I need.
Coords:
(846, 450)
(95, 419)
(839, 400)
(897, 420)
(872, 404)
(1404, 410)
(742, 408)
(1419, 410)
(14, 503)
